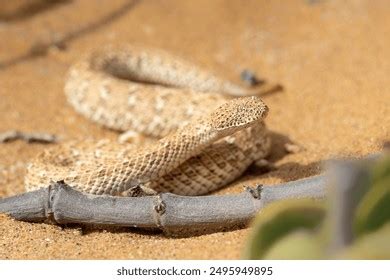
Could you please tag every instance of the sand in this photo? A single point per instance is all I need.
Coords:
(331, 57)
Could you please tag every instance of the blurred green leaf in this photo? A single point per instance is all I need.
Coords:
(278, 220)
(374, 209)
(375, 245)
(298, 245)
(381, 170)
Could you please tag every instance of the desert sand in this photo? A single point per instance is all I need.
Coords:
(332, 59)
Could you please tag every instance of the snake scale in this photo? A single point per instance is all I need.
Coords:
(207, 138)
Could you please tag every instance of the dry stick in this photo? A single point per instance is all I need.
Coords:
(41, 47)
(29, 9)
(13, 135)
(172, 213)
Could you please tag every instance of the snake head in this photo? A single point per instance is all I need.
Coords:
(238, 113)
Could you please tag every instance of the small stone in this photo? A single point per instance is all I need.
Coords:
(132, 137)
(292, 148)
(262, 163)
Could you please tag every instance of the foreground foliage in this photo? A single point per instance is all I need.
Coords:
(353, 223)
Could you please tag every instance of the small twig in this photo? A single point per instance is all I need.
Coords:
(41, 47)
(29, 8)
(173, 214)
(13, 135)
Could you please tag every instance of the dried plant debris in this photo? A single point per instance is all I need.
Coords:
(250, 78)
(33, 137)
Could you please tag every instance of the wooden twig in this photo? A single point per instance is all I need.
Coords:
(173, 214)
(42, 46)
(28, 8)
(176, 214)
(13, 135)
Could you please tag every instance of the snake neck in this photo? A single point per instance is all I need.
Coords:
(172, 151)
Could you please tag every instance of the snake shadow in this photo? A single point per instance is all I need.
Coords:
(287, 171)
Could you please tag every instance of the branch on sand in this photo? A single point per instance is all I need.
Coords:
(174, 214)
(171, 213)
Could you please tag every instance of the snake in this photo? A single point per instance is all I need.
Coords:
(208, 130)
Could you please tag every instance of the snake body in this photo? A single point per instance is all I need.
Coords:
(207, 139)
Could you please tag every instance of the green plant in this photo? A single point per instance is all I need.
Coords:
(353, 223)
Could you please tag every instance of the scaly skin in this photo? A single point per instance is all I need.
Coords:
(208, 139)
